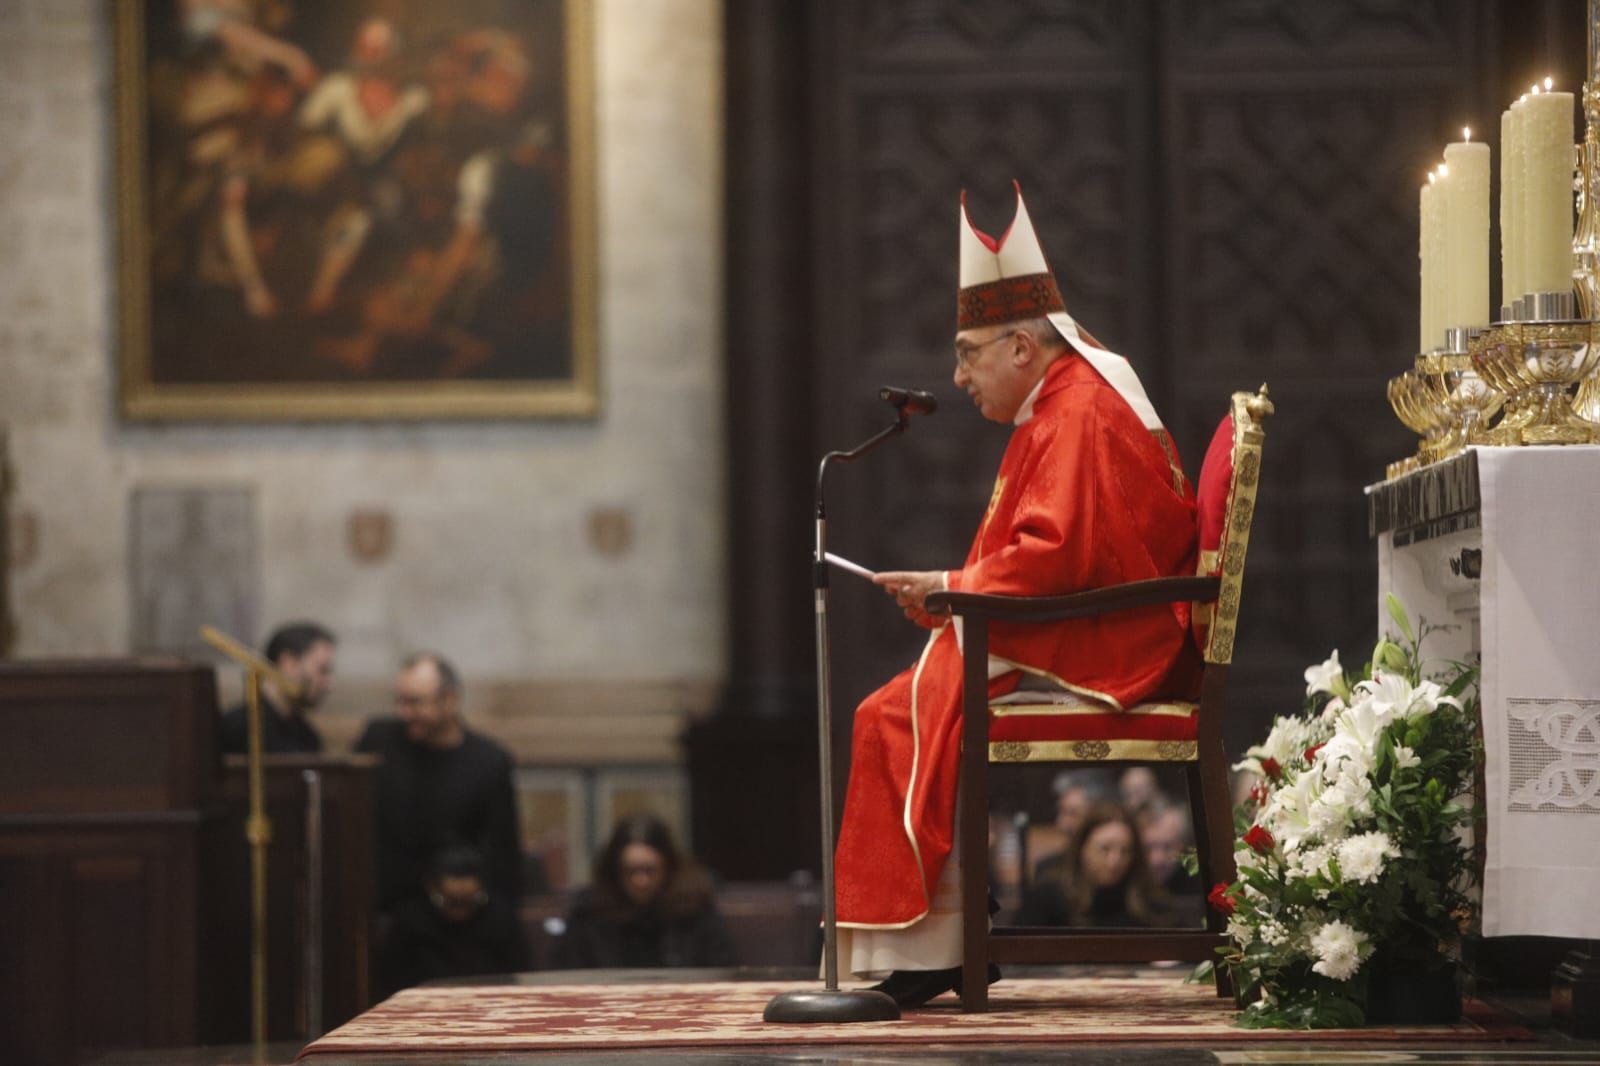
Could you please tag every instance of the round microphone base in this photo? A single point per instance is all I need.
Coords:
(831, 1005)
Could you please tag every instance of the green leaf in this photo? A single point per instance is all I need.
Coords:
(1398, 613)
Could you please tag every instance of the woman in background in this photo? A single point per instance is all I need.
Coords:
(1104, 880)
(648, 907)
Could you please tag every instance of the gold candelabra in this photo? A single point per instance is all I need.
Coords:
(1532, 378)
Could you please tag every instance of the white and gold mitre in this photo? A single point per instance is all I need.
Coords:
(1009, 280)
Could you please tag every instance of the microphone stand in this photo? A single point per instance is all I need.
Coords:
(831, 1003)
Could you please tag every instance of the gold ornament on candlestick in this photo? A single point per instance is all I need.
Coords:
(1554, 356)
(1472, 401)
(1493, 362)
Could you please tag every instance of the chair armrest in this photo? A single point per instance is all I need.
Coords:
(1125, 597)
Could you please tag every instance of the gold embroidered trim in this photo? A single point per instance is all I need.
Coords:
(1173, 466)
(1043, 710)
(1250, 412)
(1093, 751)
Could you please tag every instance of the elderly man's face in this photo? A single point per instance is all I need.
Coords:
(993, 367)
(429, 714)
(1164, 842)
(1072, 807)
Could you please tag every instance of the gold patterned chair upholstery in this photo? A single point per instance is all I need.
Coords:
(1022, 730)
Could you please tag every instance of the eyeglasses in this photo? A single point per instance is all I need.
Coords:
(967, 354)
(458, 903)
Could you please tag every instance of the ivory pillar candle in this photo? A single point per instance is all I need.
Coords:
(1429, 244)
(1510, 206)
(1548, 146)
(1466, 234)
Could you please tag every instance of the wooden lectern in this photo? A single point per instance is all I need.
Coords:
(109, 807)
(125, 878)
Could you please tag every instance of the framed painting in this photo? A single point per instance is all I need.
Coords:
(337, 209)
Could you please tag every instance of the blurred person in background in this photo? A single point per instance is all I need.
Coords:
(648, 907)
(1077, 792)
(304, 653)
(458, 928)
(1140, 791)
(1103, 881)
(1168, 832)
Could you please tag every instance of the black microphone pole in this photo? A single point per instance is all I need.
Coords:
(831, 1003)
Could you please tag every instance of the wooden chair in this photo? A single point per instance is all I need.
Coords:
(1167, 731)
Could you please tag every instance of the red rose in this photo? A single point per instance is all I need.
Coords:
(1258, 793)
(1220, 900)
(1259, 839)
(1311, 752)
(1270, 767)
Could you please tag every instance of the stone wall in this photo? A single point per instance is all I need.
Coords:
(573, 569)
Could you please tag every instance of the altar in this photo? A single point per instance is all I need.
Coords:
(1494, 550)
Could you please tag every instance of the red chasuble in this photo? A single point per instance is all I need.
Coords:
(1086, 497)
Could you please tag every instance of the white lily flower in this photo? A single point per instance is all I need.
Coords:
(1327, 677)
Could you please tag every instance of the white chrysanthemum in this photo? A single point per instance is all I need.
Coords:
(1362, 858)
(1310, 861)
(1337, 948)
(1327, 677)
(1405, 758)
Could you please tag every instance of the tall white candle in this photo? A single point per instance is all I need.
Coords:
(1510, 206)
(1425, 278)
(1466, 234)
(1430, 248)
(1548, 145)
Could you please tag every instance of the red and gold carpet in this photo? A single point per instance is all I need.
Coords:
(1081, 1010)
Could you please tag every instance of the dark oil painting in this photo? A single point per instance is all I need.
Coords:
(356, 209)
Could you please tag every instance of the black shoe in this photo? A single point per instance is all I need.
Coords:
(914, 988)
(993, 974)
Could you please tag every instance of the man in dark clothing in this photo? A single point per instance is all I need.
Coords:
(457, 929)
(440, 784)
(303, 652)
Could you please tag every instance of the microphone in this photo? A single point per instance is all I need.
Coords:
(910, 401)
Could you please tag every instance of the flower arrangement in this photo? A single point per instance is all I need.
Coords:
(1354, 846)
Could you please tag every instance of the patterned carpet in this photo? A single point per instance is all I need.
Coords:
(728, 1014)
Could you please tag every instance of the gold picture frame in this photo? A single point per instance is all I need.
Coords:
(337, 225)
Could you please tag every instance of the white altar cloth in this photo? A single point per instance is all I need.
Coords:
(1540, 624)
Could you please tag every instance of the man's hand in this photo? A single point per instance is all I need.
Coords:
(910, 588)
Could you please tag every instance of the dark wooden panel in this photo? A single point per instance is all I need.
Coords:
(107, 954)
(106, 735)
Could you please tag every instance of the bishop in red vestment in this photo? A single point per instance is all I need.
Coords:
(1090, 493)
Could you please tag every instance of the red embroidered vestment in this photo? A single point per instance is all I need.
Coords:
(1085, 498)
